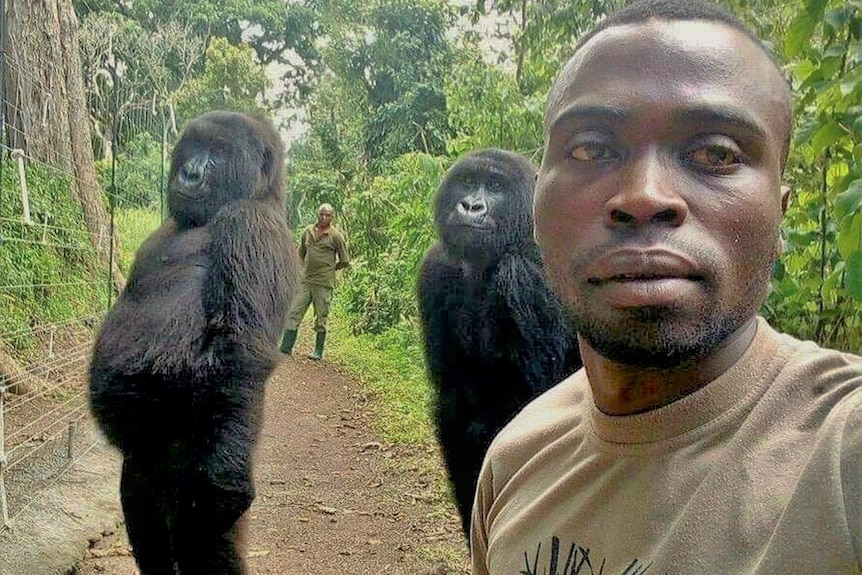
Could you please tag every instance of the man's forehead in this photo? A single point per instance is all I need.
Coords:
(689, 51)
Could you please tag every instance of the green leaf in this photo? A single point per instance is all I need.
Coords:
(779, 271)
(836, 18)
(798, 33)
(825, 136)
(851, 80)
(805, 131)
(850, 236)
(853, 277)
(815, 8)
(857, 126)
(850, 202)
(831, 282)
(803, 69)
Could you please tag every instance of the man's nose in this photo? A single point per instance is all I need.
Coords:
(648, 194)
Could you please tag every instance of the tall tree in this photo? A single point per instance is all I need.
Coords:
(545, 33)
(45, 103)
(396, 107)
(283, 32)
(127, 68)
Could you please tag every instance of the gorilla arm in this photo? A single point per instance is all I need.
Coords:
(438, 286)
(254, 271)
(537, 317)
(252, 275)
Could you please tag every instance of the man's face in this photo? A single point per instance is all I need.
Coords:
(324, 217)
(658, 200)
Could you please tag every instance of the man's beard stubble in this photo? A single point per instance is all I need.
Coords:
(663, 337)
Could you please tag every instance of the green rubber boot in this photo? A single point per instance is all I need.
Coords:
(288, 340)
(318, 346)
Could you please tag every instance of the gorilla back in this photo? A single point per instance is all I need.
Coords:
(179, 366)
(495, 335)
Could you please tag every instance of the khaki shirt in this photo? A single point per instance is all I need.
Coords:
(320, 251)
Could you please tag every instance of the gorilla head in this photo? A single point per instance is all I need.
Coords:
(483, 208)
(223, 157)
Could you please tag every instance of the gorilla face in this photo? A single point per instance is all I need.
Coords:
(221, 157)
(483, 207)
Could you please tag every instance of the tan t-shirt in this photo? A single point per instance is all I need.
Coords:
(759, 472)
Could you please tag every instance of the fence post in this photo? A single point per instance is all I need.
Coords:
(2, 88)
(18, 154)
(4, 509)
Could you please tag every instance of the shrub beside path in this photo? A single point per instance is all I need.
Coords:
(332, 498)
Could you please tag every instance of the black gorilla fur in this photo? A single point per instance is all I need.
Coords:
(178, 369)
(495, 335)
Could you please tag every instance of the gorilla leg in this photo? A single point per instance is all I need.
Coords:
(464, 463)
(218, 487)
(146, 518)
(208, 527)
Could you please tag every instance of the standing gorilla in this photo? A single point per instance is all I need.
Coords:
(495, 334)
(178, 370)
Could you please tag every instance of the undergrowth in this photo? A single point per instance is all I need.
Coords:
(50, 271)
(133, 225)
(391, 368)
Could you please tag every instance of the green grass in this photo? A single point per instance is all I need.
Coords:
(133, 225)
(391, 368)
(50, 271)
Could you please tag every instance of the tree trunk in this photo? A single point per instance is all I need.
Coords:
(46, 109)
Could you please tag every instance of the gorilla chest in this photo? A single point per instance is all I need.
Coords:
(181, 265)
(168, 288)
(480, 329)
(189, 249)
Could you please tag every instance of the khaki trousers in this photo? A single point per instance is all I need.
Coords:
(319, 296)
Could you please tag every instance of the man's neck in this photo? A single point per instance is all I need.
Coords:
(621, 389)
(321, 227)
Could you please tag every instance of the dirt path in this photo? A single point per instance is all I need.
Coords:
(331, 498)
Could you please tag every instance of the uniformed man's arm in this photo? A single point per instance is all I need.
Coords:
(341, 250)
(302, 247)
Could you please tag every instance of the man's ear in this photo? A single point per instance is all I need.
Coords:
(785, 197)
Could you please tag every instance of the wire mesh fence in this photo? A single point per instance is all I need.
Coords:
(55, 281)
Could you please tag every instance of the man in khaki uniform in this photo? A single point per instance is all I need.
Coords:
(323, 251)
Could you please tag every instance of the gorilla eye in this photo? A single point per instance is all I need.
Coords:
(495, 185)
(714, 157)
(470, 182)
(593, 152)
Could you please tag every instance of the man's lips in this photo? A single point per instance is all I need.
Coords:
(641, 265)
(644, 277)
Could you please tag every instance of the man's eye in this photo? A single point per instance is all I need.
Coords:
(593, 152)
(714, 157)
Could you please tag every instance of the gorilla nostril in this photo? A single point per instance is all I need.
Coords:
(472, 207)
(191, 173)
